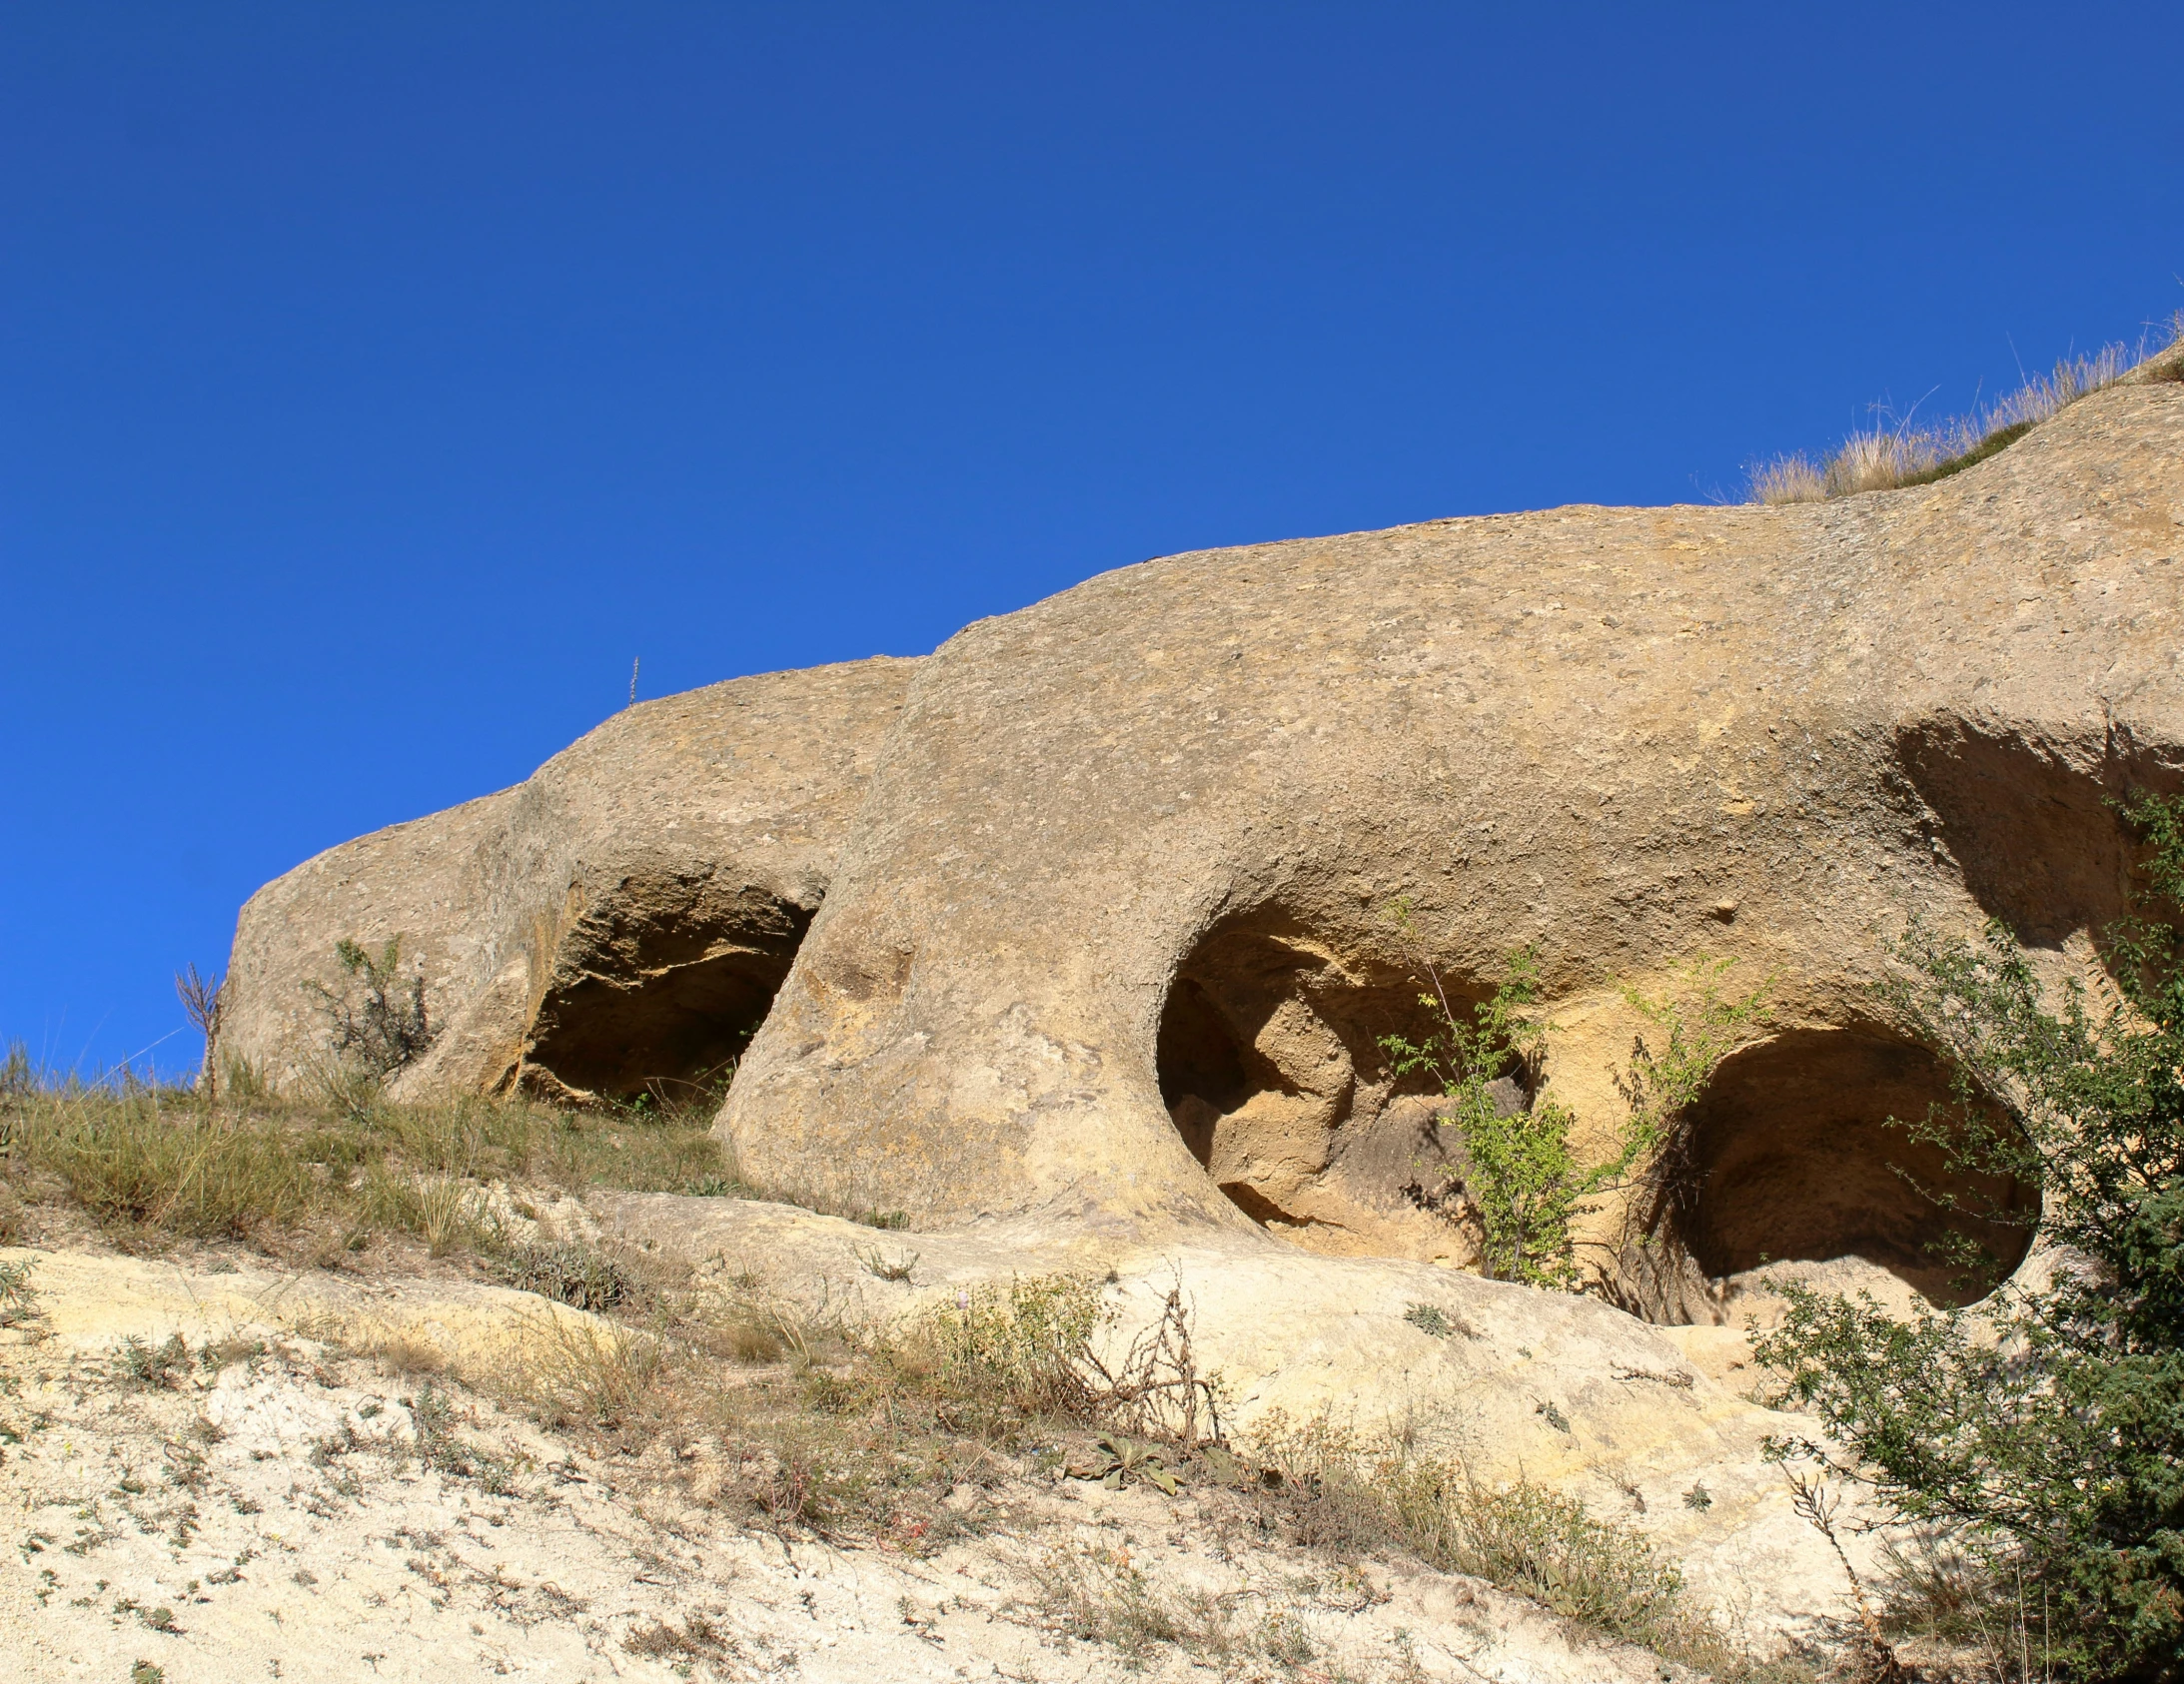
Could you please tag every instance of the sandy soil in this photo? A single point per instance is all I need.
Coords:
(267, 1508)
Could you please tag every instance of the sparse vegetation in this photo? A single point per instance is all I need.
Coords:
(18, 1301)
(1907, 453)
(581, 1277)
(317, 1176)
(697, 1638)
(376, 1016)
(796, 1419)
(2038, 1436)
(1522, 1169)
(882, 1268)
(1354, 1496)
(1100, 1596)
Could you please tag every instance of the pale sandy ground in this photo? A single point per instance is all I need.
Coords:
(267, 1520)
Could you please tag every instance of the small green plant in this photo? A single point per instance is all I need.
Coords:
(440, 1448)
(1523, 1174)
(18, 1300)
(144, 1672)
(1430, 1318)
(887, 1269)
(157, 1367)
(376, 1019)
(1125, 1460)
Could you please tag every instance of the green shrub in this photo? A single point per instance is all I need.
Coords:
(374, 1017)
(2042, 1432)
(1522, 1171)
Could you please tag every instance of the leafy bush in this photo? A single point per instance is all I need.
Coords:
(2041, 1431)
(1523, 1173)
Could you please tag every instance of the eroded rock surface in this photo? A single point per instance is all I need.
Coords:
(619, 921)
(1111, 944)
(1105, 969)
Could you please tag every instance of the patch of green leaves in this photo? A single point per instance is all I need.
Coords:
(2040, 1432)
(1528, 1183)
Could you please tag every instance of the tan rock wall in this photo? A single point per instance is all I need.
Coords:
(674, 853)
(1624, 736)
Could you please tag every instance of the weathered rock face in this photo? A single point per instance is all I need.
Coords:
(1109, 942)
(1109, 939)
(1105, 964)
(619, 921)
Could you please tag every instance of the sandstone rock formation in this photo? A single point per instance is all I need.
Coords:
(619, 920)
(1108, 938)
(1109, 944)
(1102, 961)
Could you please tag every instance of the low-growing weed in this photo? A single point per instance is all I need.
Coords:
(18, 1300)
(157, 1367)
(887, 1269)
(695, 1639)
(583, 1276)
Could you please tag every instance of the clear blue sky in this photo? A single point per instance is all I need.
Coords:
(376, 381)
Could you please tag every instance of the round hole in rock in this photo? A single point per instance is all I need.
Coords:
(1791, 1160)
(658, 995)
(1270, 1063)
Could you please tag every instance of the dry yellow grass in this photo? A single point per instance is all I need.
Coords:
(1885, 458)
(154, 1164)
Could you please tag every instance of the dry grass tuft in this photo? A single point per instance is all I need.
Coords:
(1352, 1497)
(597, 1378)
(1902, 453)
(319, 1175)
(407, 1353)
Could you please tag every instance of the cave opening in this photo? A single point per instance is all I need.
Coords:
(1789, 1156)
(1270, 1061)
(654, 998)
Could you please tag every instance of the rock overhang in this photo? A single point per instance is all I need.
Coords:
(1622, 736)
